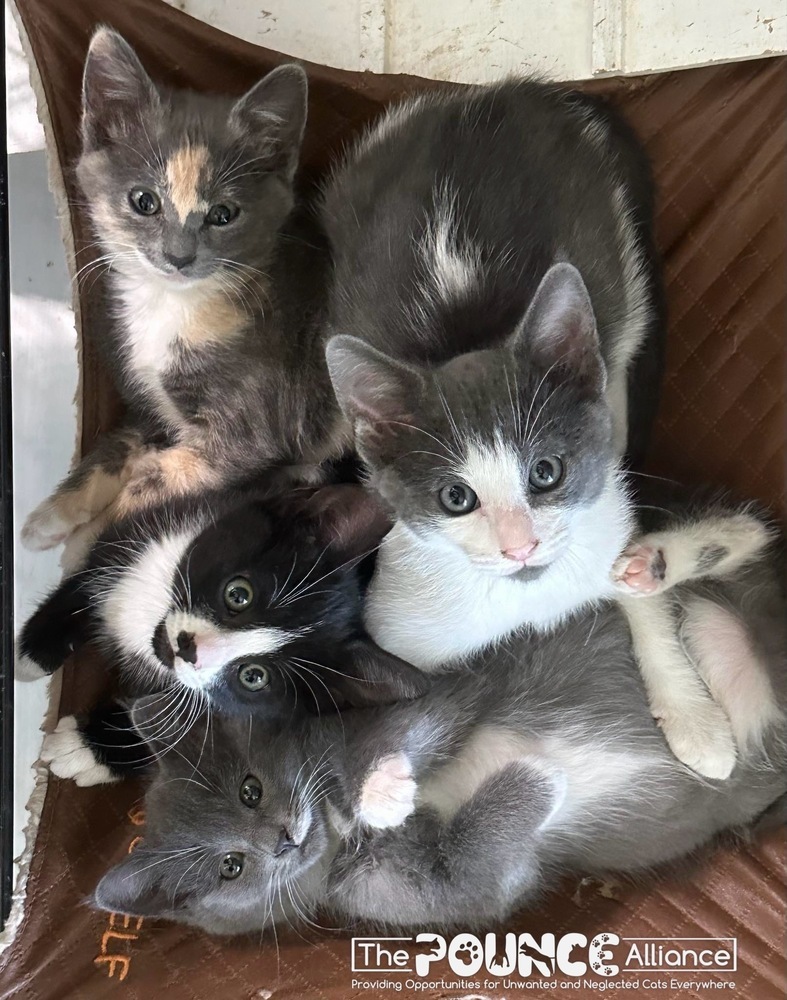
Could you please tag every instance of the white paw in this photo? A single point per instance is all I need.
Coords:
(26, 668)
(388, 794)
(45, 527)
(68, 756)
(701, 737)
(640, 570)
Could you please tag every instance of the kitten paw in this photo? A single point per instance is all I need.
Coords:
(69, 756)
(701, 738)
(27, 669)
(640, 571)
(388, 794)
(45, 527)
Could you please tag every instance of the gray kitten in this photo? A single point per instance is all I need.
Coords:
(460, 807)
(216, 289)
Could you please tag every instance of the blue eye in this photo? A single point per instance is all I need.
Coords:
(458, 499)
(546, 472)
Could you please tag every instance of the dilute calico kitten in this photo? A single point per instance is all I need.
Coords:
(215, 285)
(538, 758)
(243, 601)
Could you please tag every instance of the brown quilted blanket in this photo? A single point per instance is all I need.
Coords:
(717, 140)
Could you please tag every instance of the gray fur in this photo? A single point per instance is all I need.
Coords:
(573, 696)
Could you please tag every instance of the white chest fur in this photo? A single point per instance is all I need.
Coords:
(159, 316)
(428, 604)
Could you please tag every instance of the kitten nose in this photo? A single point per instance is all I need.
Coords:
(285, 843)
(521, 553)
(187, 647)
(180, 262)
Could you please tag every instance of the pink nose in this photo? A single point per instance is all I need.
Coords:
(521, 553)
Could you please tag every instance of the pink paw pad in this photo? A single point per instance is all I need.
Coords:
(640, 570)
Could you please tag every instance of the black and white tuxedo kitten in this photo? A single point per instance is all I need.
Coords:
(216, 287)
(460, 807)
(244, 602)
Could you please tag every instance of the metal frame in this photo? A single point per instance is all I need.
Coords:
(6, 532)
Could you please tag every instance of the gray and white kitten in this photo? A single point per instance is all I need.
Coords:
(460, 807)
(216, 289)
(494, 283)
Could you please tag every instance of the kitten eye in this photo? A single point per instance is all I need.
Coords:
(231, 865)
(546, 472)
(253, 677)
(251, 791)
(458, 499)
(144, 202)
(238, 594)
(220, 215)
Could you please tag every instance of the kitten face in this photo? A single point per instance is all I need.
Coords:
(494, 453)
(232, 835)
(259, 608)
(180, 187)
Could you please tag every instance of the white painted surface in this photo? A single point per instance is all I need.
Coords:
(475, 41)
(44, 381)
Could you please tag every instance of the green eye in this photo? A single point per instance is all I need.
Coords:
(144, 202)
(238, 594)
(231, 865)
(546, 472)
(220, 215)
(458, 499)
(253, 677)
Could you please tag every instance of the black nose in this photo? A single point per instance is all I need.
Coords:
(161, 645)
(180, 262)
(187, 648)
(285, 843)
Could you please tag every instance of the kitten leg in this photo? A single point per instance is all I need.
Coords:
(727, 661)
(709, 547)
(58, 626)
(100, 749)
(163, 474)
(473, 869)
(696, 728)
(86, 491)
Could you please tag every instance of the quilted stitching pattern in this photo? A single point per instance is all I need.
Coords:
(717, 140)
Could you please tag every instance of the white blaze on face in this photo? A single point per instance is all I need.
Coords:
(142, 596)
(214, 647)
(505, 521)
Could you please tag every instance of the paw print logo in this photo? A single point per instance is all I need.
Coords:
(468, 953)
(605, 938)
(597, 966)
(608, 970)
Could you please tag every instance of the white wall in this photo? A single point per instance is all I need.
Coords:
(475, 41)
(44, 381)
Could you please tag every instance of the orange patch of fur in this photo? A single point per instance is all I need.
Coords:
(183, 173)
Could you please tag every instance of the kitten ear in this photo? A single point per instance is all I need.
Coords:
(135, 887)
(373, 676)
(372, 389)
(352, 519)
(115, 88)
(559, 329)
(275, 111)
